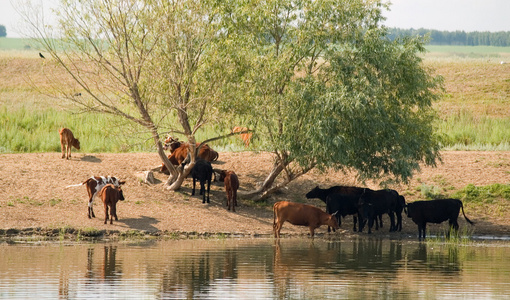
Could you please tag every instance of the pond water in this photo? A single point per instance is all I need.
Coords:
(358, 268)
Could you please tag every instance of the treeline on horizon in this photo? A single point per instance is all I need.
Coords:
(456, 38)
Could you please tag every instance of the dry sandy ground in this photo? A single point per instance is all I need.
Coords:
(33, 195)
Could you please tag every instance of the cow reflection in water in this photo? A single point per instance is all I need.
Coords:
(109, 270)
(188, 277)
(293, 264)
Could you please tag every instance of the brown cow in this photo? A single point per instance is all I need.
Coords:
(301, 215)
(179, 153)
(94, 185)
(111, 195)
(66, 141)
(231, 186)
(245, 136)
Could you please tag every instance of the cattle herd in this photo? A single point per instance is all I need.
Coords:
(366, 206)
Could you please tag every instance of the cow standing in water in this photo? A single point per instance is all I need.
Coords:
(435, 211)
(300, 215)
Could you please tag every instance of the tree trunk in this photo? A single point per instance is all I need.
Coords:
(268, 187)
(261, 192)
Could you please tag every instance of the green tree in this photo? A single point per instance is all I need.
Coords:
(327, 88)
(153, 63)
(3, 31)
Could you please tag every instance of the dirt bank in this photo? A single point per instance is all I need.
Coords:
(33, 197)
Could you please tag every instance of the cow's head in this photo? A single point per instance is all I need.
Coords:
(76, 144)
(171, 143)
(409, 210)
(333, 221)
(120, 194)
(223, 174)
(314, 193)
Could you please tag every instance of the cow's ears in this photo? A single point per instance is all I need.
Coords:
(121, 182)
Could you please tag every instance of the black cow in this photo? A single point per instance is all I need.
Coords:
(345, 205)
(374, 204)
(435, 211)
(347, 191)
(202, 171)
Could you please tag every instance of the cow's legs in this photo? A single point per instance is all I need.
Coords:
(193, 190)
(234, 200)
(454, 226)
(202, 191)
(312, 231)
(209, 190)
(422, 229)
(91, 210)
(399, 221)
(277, 228)
(106, 214)
(63, 150)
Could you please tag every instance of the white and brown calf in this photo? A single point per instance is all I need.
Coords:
(94, 185)
(110, 195)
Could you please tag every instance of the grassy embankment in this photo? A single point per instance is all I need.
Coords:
(473, 112)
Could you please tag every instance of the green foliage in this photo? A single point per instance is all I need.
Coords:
(483, 194)
(327, 88)
(431, 191)
(3, 31)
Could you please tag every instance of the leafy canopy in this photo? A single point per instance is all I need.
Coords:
(326, 87)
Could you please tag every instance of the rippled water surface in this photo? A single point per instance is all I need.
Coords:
(256, 269)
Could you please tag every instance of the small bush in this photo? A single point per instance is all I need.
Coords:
(431, 191)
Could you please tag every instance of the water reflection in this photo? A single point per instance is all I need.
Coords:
(255, 269)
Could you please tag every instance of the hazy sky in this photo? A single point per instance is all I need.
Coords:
(467, 15)
(451, 15)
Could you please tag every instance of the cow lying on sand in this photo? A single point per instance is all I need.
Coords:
(110, 195)
(94, 185)
(179, 153)
(300, 215)
(435, 211)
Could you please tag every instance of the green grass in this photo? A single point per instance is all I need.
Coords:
(483, 194)
(467, 51)
(473, 112)
(465, 131)
(30, 130)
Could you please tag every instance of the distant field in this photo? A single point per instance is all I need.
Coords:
(15, 44)
(484, 52)
(473, 113)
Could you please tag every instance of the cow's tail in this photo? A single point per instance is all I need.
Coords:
(462, 207)
(274, 214)
(73, 185)
(79, 184)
